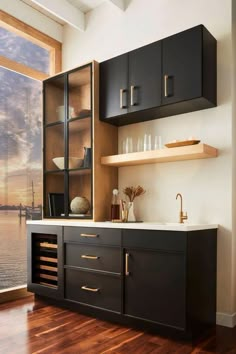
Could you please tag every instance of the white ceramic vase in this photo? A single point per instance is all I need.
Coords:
(131, 216)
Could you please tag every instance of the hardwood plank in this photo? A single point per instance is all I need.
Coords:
(33, 326)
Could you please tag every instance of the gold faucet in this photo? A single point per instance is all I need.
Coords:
(182, 216)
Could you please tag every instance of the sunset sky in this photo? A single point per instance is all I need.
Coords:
(20, 123)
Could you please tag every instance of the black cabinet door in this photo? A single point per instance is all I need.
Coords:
(155, 286)
(113, 78)
(182, 66)
(145, 77)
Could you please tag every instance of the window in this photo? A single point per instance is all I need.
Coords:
(26, 58)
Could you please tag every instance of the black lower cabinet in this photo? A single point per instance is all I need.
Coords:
(93, 289)
(155, 287)
(159, 280)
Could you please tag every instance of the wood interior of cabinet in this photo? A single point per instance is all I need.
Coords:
(79, 137)
(44, 267)
(54, 143)
(80, 77)
(192, 152)
(105, 141)
(79, 95)
(54, 98)
(80, 186)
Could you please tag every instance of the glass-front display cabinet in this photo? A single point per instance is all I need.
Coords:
(75, 183)
(68, 167)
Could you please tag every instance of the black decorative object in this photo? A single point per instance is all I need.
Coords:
(87, 157)
(56, 204)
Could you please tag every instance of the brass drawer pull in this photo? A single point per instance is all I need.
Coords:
(127, 264)
(132, 95)
(89, 235)
(86, 256)
(93, 290)
(132, 88)
(166, 77)
(121, 98)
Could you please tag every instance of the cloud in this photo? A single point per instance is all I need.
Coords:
(20, 119)
(23, 51)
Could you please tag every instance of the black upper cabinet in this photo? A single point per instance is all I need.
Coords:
(130, 83)
(114, 87)
(189, 67)
(145, 84)
(172, 76)
(182, 66)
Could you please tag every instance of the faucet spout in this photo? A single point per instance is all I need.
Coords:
(181, 201)
(182, 216)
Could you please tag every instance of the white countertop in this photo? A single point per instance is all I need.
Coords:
(139, 225)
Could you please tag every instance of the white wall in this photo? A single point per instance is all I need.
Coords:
(32, 17)
(206, 185)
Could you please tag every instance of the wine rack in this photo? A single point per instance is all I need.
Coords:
(45, 256)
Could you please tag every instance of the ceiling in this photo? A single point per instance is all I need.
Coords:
(86, 5)
(71, 12)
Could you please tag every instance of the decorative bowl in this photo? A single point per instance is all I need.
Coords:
(73, 162)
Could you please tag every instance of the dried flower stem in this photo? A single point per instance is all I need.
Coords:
(133, 192)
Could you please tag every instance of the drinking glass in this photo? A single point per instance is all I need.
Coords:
(140, 144)
(147, 143)
(157, 142)
(127, 145)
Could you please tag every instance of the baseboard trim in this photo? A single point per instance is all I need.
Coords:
(13, 293)
(226, 320)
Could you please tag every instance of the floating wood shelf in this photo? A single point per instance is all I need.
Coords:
(191, 152)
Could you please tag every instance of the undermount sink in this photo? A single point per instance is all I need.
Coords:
(170, 223)
(175, 223)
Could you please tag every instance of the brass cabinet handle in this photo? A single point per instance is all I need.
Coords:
(93, 290)
(89, 235)
(86, 256)
(127, 264)
(132, 95)
(166, 77)
(121, 98)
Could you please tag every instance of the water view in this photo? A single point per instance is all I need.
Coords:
(12, 249)
(20, 154)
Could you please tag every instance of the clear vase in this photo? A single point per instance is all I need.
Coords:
(131, 216)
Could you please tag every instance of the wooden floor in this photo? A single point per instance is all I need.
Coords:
(28, 326)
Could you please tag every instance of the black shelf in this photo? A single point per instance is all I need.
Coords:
(58, 122)
(79, 118)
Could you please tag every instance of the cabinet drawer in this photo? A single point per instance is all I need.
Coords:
(93, 257)
(156, 240)
(93, 289)
(93, 235)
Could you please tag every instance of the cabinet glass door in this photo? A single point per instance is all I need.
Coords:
(54, 100)
(79, 143)
(54, 147)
